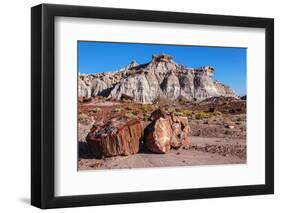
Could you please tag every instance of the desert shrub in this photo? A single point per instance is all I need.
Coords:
(82, 116)
(145, 117)
(182, 112)
(130, 115)
(188, 112)
(95, 110)
(171, 110)
(117, 110)
(129, 107)
(145, 108)
(176, 113)
(202, 115)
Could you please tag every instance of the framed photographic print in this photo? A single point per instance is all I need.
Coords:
(139, 106)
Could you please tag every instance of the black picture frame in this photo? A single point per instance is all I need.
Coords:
(43, 102)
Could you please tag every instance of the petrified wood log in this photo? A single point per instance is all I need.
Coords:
(181, 130)
(163, 134)
(119, 136)
(158, 135)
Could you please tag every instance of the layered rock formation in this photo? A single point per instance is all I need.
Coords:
(119, 136)
(160, 78)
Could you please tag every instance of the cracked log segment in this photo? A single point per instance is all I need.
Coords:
(166, 132)
(119, 136)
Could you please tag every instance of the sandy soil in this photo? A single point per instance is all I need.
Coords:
(216, 138)
(202, 151)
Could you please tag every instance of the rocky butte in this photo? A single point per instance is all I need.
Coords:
(159, 78)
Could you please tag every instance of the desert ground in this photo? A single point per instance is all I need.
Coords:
(217, 136)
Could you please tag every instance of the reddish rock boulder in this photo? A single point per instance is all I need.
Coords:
(181, 130)
(158, 135)
(119, 136)
(163, 134)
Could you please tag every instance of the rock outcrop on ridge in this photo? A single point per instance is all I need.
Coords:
(160, 78)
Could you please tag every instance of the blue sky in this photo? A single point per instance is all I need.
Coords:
(229, 63)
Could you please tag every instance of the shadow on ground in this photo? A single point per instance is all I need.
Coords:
(25, 200)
